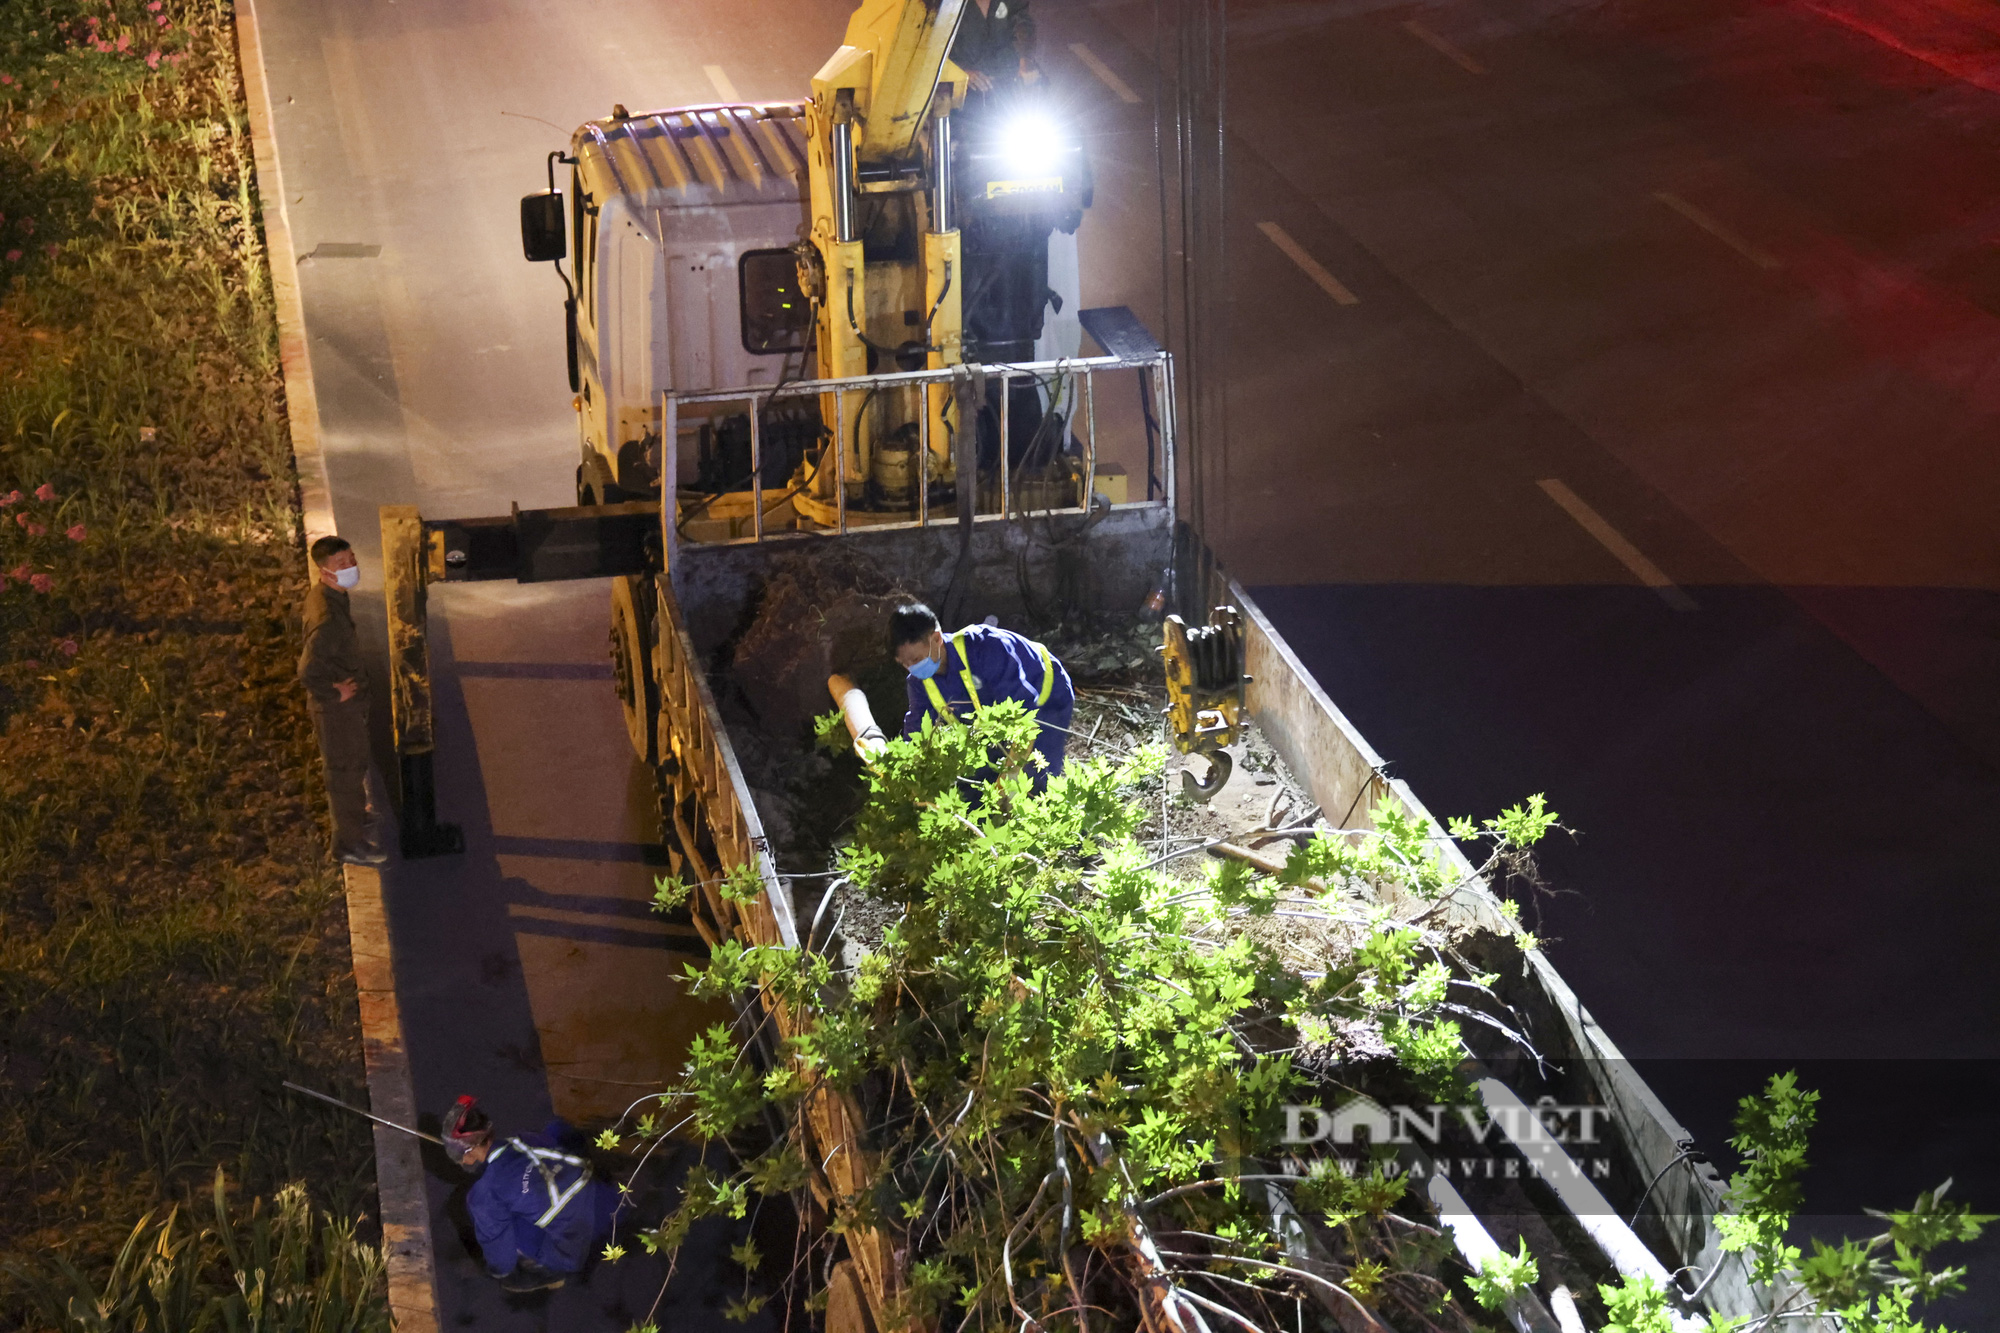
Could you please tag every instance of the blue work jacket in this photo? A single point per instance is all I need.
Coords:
(1003, 665)
(536, 1199)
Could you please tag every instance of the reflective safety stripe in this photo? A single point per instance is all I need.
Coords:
(557, 1204)
(965, 670)
(937, 699)
(558, 1198)
(957, 641)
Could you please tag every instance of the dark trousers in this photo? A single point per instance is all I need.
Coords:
(344, 754)
(1054, 740)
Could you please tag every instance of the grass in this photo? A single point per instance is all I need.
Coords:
(172, 935)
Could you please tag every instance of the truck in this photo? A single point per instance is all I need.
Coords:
(850, 329)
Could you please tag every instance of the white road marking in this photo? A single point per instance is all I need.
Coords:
(1104, 72)
(1442, 47)
(1331, 285)
(722, 84)
(1762, 258)
(1614, 541)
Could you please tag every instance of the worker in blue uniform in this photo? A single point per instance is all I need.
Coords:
(538, 1208)
(953, 676)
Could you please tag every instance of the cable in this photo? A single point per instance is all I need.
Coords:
(1688, 1153)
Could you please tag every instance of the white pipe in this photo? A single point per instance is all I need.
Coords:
(1564, 1306)
(1524, 1129)
(1524, 1309)
(868, 738)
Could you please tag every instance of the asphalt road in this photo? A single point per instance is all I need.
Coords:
(1620, 437)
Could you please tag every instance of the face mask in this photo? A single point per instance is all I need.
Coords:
(349, 577)
(925, 668)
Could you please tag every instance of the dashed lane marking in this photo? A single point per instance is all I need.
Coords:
(1762, 258)
(1331, 285)
(1104, 72)
(1614, 541)
(718, 77)
(1442, 47)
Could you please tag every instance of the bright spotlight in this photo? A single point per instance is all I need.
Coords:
(1032, 143)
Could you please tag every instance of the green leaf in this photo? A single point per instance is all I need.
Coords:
(1502, 1275)
(1636, 1305)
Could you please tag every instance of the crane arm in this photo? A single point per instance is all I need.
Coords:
(890, 63)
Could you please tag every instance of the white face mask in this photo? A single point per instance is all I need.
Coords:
(349, 577)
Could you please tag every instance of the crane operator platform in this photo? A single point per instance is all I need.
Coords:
(954, 675)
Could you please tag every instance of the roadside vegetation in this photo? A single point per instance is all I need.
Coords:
(172, 935)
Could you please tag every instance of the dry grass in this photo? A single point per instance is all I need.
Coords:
(172, 938)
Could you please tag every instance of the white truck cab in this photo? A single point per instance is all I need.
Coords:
(682, 228)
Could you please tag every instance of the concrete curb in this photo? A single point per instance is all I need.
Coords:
(399, 1171)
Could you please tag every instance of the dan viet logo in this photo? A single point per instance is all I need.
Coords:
(1496, 1142)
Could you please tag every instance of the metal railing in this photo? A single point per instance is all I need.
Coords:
(1077, 375)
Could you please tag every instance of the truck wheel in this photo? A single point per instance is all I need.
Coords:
(632, 661)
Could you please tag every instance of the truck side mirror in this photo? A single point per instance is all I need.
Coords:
(543, 236)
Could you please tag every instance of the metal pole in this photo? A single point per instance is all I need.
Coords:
(843, 181)
(923, 478)
(756, 471)
(1006, 463)
(1090, 447)
(335, 1101)
(670, 472)
(840, 459)
(1167, 422)
(941, 165)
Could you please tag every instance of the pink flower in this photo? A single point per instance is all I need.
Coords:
(50, 249)
(75, 534)
(155, 6)
(152, 60)
(33, 663)
(36, 530)
(27, 226)
(93, 20)
(41, 583)
(45, 492)
(124, 41)
(6, 78)
(8, 499)
(68, 647)
(19, 573)
(162, 20)
(22, 518)
(13, 256)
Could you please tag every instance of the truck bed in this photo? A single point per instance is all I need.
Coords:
(1101, 573)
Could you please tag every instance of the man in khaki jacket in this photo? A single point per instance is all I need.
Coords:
(330, 667)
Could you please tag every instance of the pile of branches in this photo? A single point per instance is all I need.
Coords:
(1074, 1068)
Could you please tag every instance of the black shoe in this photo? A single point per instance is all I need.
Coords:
(530, 1276)
(364, 856)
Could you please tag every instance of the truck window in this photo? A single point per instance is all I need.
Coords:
(774, 314)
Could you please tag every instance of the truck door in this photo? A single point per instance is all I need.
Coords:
(633, 389)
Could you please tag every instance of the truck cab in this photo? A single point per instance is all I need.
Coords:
(685, 227)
